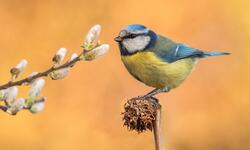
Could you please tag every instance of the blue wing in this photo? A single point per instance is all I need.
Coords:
(182, 51)
(171, 51)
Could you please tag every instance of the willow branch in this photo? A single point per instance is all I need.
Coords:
(92, 49)
(40, 74)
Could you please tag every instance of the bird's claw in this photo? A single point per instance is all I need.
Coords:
(147, 97)
(150, 96)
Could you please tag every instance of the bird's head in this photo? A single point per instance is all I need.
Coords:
(134, 38)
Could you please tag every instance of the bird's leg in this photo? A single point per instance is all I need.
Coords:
(151, 94)
(154, 100)
(155, 92)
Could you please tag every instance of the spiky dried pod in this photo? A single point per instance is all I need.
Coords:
(139, 114)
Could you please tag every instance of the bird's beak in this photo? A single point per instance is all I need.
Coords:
(118, 39)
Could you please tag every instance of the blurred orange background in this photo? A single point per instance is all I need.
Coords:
(210, 111)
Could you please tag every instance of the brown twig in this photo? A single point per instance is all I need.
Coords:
(41, 74)
(157, 129)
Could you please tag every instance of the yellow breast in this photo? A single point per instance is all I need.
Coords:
(151, 70)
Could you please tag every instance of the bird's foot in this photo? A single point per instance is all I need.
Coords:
(150, 95)
(145, 97)
(157, 91)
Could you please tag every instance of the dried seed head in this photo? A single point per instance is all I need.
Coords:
(96, 52)
(16, 106)
(93, 34)
(59, 56)
(139, 115)
(59, 74)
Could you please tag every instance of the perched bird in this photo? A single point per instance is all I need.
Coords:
(156, 60)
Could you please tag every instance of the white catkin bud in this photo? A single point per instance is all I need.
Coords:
(2, 95)
(58, 58)
(97, 52)
(10, 95)
(36, 88)
(93, 34)
(37, 107)
(19, 67)
(22, 65)
(16, 106)
(60, 74)
(73, 56)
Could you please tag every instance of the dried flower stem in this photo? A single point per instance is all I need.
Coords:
(142, 114)
(157, 129)
(41, 74)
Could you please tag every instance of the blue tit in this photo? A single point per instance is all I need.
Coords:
(156, 60)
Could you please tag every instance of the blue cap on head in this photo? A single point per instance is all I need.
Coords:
(135, 27)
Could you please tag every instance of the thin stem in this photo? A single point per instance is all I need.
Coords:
(41, 74)
(157, 129)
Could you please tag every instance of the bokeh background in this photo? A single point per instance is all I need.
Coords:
(210, 111)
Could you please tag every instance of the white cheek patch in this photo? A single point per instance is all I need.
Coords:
(136, 44)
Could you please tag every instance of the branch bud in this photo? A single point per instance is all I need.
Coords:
(16, 106)
(73, 56)
(59, 56)
(36, 88)
(16, 71)
(2, 92)
(92, 36)
(59, 74)
(38, 106)
(96, 52)
(10, 95)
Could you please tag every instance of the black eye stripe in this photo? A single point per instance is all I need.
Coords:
(131, 36)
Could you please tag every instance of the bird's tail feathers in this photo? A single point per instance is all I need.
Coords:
(208, 54)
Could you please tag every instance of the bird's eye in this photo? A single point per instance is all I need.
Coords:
(132, 36)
